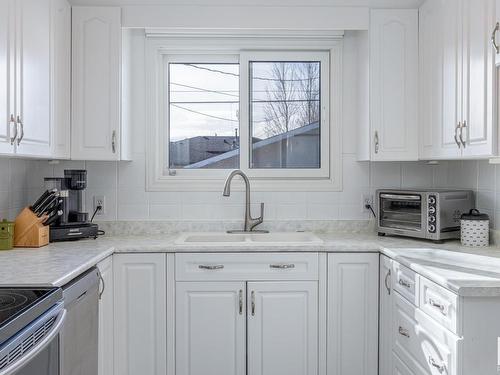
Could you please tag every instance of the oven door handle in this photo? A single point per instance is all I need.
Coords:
(401, 197)
(56, 329)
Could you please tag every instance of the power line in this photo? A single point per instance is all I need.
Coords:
(253, 77)
(203, 114)
(205, 90)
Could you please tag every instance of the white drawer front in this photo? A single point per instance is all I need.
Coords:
(440, 304)
(405, 281)
(246, 266)
(421, 343)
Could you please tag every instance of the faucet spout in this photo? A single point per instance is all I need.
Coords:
(250, 222)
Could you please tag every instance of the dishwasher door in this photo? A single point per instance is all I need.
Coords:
(79, 338)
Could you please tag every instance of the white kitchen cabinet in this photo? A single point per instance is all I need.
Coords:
(393, 84)
(96, 35)
(353, 281)
(495, 36)
(140, 314)
(106, 317)
(385, 316)
(283, 328)
(61, 79)
(457, 80)
(210, 328)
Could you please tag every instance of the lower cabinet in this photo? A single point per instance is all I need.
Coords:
(140, 333)
(385, 317)
(106, 317)
(352, 314)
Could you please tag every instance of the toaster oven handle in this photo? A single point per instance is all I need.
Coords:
(401, 197)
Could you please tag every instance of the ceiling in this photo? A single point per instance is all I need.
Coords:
(353, 3)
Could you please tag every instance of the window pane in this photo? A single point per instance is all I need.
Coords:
(203, 115)
(284, 114)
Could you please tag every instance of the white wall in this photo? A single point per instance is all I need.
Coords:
(123, 183)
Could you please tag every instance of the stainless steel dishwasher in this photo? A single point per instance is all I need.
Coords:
(79, 339)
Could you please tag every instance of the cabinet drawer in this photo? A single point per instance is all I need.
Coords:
(405, 281)
(246, 266)
(421, 343)
(440, 304)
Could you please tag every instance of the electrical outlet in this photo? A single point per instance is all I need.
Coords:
(100, 200)
(367, 199)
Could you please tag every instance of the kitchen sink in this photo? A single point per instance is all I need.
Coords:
(296, 238)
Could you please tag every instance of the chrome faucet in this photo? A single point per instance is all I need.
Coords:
(250, 222)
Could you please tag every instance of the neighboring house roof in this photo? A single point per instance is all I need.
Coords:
(256, 145)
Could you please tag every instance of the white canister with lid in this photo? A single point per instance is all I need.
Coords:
(475, 229)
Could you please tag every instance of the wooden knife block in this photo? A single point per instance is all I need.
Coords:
(29, 230)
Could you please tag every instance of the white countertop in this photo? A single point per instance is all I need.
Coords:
(465, 271)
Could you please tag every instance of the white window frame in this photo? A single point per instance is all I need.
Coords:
(178, 47)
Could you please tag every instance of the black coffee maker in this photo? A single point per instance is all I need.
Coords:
(73, 224)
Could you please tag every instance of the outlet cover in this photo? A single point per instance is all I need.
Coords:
(99, 200)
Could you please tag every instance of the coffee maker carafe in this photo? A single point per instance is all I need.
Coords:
(73, 223)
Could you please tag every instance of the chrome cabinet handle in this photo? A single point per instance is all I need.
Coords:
(464, 125)
(439, 367)
(437, 305)
(494, 38)
(404, 283)
(240, 301)
(101, 280)
(21, 126)
(253, 302)
(376, 140)
(404, 332)
(282, 266)
(211, 268)
(13, 121)
(459, 126)
(386, 282)
(113, 141)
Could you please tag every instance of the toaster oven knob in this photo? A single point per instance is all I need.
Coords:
(432, 210)
(432, 228)
(432, 200)
(432, 219)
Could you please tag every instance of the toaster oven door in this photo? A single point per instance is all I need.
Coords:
(401, 213)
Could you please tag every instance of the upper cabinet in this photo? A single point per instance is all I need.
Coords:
(29, 98)
(96, 130)
(457, 79)
(393, 84)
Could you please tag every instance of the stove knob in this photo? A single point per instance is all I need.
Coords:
(432, 228)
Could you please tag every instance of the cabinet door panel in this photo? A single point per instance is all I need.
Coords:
(210, 328)
(6, 74)
(96, 83)
(393, 81)
(106, 317)
(33, 106)
(353, 314)
(283, 328)
(385, 311)
(140, 314)
(479, 73)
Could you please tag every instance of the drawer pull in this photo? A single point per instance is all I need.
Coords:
(404, 332)
(439, 367)
(211, 268)
(437, 305)
(282, 266)
(404, 283)
(240, 297)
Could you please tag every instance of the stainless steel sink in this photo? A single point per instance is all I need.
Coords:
(245, 239)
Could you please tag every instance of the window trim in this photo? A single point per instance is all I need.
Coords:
(159, 47)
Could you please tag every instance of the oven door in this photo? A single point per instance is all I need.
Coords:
(35, 350)
(402, 213)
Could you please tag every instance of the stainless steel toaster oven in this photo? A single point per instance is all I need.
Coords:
(429, 214)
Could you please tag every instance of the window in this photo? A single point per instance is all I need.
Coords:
(266, 112)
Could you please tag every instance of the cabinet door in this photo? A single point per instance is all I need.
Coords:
(393, 84)
(352, 340)
(106, 317)
(385, 319)
(210, 328)
(7, 55)
(61, 79)
(496, 32)
(140, 314)
(478, 132)
(33, 78)
(96, 83)
(283, 328)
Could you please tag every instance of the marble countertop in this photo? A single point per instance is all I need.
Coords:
(465, 271)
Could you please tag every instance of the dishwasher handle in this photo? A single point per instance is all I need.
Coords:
(55, 330)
